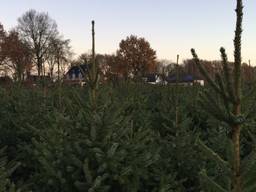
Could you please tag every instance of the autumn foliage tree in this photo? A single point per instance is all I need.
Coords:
(15, 54)
(18, 55)
(2, 55)
(2, 37)
(135, 57)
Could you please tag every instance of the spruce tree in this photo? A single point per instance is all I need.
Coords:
(93, 75)
(228, 87)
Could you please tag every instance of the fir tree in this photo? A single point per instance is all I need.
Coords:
(228, 87)
(93, 75)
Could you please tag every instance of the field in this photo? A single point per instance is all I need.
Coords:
(139, 137)
(138, 124)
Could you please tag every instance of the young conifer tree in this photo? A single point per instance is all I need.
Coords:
(228, 86)
(93, 75)
(177, 93)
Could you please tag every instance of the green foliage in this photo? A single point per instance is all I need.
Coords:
(6, 170)
(223, 102)
(129, 142)
(117, 146)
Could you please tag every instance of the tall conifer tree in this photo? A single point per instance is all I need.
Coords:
(228, 86)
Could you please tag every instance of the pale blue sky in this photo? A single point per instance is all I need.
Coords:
(171, 26)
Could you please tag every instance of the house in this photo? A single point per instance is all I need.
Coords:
(153, 78)
(184, 79)
(76, 75)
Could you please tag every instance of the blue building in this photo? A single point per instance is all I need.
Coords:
(153, 78)
(77, 74)
(184, 79)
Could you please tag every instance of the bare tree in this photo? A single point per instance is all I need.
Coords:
(164, 66)
(37, 28)
(58, 54)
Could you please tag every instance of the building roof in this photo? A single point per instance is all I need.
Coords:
(150, 78)
(78, 69)
(182, 78)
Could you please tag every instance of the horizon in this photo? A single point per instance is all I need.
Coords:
(171, 27)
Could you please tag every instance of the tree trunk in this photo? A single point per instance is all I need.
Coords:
(39, 66)
(38, 71)
(237, 183)
(236, 164)
(176, 93)
(58, 62)
(236, 129)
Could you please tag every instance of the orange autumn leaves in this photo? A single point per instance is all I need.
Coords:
(15, 53)
(134, 57)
